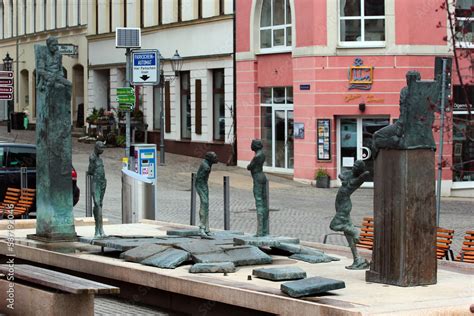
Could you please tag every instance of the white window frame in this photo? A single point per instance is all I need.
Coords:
(362, 43)
(272, 28)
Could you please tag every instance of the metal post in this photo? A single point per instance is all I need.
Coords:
(162, 120)
(192, 220)
(23, 178)
(9, 114)
(88, 195)
(441, 134)
(127, 113)
(267, 193)
(226, 203)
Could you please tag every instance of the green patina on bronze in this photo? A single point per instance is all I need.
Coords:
(351, 181)
(413, 129)
(259, 187)
(99, 184)
(202, 188)
(55, 219)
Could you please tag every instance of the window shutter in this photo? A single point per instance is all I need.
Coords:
(198, 107)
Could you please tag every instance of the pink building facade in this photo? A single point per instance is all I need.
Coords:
(315, 80)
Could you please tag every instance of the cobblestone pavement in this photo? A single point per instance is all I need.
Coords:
(297, 209)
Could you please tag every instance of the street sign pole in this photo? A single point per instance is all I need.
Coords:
(127, 113)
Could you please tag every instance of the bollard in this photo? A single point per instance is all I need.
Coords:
(88, 195)
(192, 221)
(226, 203)
(267, 193)
(23, 178)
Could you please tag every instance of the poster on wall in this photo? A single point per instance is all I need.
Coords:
(324, 139)
(299, 130)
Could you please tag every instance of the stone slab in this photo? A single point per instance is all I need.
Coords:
(174, 241)
(280, 274)
(219, 267)
(311, 286)
(296, 248)
(168, 259)
(183, 232)
(316, 258)
(212, 257)
(198, 247)
(120, 244)
(140, 253)
(248, 255)
(265, 241)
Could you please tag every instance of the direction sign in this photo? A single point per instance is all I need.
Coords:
(6, 82)
(6, 89)
(6, 96)
(126, 91)
(125, 107)
(126, 99)
(6, 74)
(146, 64)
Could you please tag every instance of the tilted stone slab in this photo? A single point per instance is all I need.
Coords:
(295, 248)
(120, 244)
(198, 246)
(174, 241)
(280, 274)
(311, 286)
(213, 257)
(219, 267)
(183, 232)
(248, 255)
(168, 259)
(140, 253)
(265, 241)
(318, 258)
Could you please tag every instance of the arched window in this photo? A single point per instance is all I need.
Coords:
(275, 25)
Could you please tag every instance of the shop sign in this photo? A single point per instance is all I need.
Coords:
(360, 76)
(459, 107)
(369, 98)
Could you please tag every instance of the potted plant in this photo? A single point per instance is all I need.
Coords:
(322, 178)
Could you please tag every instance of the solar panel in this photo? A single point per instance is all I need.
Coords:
(128, 37)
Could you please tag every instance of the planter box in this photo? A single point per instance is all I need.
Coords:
(323, 182)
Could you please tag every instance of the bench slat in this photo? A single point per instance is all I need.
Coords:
(59, 281)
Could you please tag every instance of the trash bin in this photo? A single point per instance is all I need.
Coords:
(138, 197)
(17, 120)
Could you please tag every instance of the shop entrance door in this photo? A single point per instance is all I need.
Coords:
(355, 142)
(277, 135)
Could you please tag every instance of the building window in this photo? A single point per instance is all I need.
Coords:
(362, 23)
(464, 23)
(218, 101)
(463, 136)
(275, 25)
(185, 93)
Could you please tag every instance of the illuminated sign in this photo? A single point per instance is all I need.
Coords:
(360, 77)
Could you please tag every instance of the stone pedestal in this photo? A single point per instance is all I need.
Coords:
(405, 218)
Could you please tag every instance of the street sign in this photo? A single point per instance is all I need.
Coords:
(6, 89)
(125, 107)
(6, 96)
(146, 65)
(68, 49)
(6, 82)
(6, 74)
(125, 99)
(126, 91)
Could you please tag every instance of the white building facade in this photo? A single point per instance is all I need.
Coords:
(198, 102)
(24, 23)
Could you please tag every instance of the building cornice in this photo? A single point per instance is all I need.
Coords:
(156, 28)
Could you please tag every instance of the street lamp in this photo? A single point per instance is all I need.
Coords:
(8, 66)
(176, 64)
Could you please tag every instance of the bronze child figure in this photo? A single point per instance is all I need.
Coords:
(202, 188)
(351, 181)
(259, 187)
(99, 183)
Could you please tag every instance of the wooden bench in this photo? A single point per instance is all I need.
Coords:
(25, 203)
(366, 239)
(12, 195)
(444, 239)
(39, 291)
(467, 250)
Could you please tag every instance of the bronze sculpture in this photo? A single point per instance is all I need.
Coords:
(259, 187)
(351, 181)
(202, 188)
(55, 218)
(99, 184)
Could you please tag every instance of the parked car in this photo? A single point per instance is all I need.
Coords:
(13, 157)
